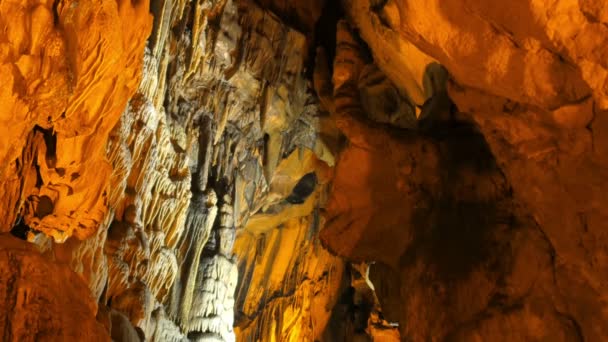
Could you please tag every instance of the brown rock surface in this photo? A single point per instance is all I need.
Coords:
(486, 240)
(43, 300)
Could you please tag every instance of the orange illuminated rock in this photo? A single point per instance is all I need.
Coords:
(68, 72)
(489, 215)
(457, 149)
(524, 50)
(288, 279)
(43, 300)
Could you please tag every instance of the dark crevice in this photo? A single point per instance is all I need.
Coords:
(20, 229)
(377, 5)
(349, 316)
(56, 14)
(324, 35)
(50, 140)
(200, 177)
(459, 232)
(155, 8)
(265, 154)
(184, 23)
(45, 207)
(575, 326)
(304, 188)
(39, 181)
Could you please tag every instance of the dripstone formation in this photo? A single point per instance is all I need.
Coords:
(355, 170)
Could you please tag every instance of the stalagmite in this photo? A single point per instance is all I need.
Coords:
(265, 170)
(211, 312)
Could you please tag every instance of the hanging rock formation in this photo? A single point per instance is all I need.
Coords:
(68, 70)
(361, 170)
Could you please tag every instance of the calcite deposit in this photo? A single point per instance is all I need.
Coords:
(68, 69)
(355, 170)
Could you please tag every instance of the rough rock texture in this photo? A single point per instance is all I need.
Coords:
(290, 298)
(451, 158)
(284, 271)
(159, 190)
(43, 300)
(193, 157)
(497, 210)
(67, 68)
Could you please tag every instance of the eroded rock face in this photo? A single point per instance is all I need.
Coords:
(453, 168)
(194, 155)
(295, 290)
(160, 189)
(507, 174)
(43, 300)
(526, 51)
(67, 71)
(558, 175)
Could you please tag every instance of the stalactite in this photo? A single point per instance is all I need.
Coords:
(199, 224)
(450, 156)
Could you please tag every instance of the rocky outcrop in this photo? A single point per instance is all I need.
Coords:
(288, 282)
(193, 157)
(527, 52)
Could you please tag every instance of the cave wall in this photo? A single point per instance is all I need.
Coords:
(68, 69)
(256, 171)
(216, 98)
(513, 249)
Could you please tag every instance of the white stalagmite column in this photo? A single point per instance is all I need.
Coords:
(212, 311)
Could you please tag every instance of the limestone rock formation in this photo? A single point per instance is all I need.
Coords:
(269, 170)
(528, 93)
(283, 269)
(43, 300)
(193, 156)
(189, 160)
(67, 68)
